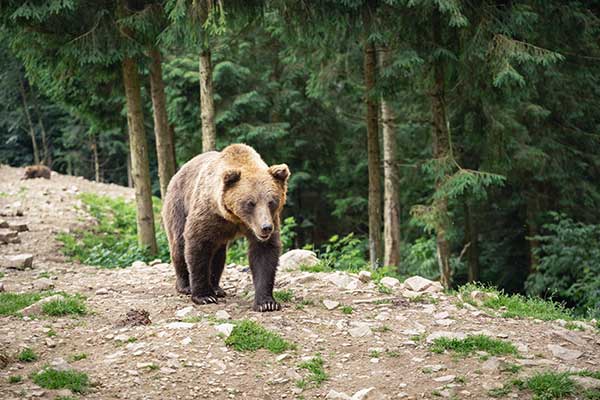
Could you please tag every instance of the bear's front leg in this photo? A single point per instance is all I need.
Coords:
(264, 258)
(198, 255)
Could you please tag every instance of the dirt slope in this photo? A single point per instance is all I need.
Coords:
(190, 360)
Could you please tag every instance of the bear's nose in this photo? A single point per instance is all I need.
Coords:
(266, 228)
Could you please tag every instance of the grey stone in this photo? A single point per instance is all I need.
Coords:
(334, 395)
(180, 325)
(586, 382)
(342, 280)
(43, 284)
(360, 331)
(445, 378)
(222, 314)
(18, 227)
(330, 304)
(570, 336)
(491, 364)
(19, 261)
(294, 259)
(390, 282)
(418, 284)
(225, 329)
(364, 276)
(7, 235)
(564, 353)
(445, 334)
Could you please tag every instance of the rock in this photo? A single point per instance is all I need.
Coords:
(282, 357)
(63, 393)
(491, 364)
(441, 315)
(3, 224)
(50, 343)
(60, 364)
(389, 282)
(434, 367)
(360, 331)
(366, 394)
(155, 262)
(342, 280)
(20, 261)
(364, 276)
(563, 353)
(417, 283)
(333, 395)
(36, 308)
(445, 334)
(102, 292)
(184, 311)
(480, 297)
(180, 325)
(6, 236)
(445, 379)
(222, 314)
(293, 375)
(294, 259)
(444, 322)
(331, 304)
(139, 264)
(586, 382)
(570, 336)
(186, 341)
(225, 329)
(43, 284)
(18, 227)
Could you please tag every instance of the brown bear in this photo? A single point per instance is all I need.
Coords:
(214, 198)
(36, 171)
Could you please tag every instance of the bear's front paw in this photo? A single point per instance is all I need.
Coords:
(204, 299)
(220, 292)
(268, 305)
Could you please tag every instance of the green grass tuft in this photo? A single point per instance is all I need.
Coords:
(550, 386)
(50, 378)
(518, 306)
(15, 379)
(316, 368)
(27, 355)
(69, 305)
(347, 309)
(283, 296)
(250, 336)
(472, 344)
(12, 303)
(78, 356)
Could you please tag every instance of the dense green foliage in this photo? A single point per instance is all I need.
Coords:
(521, 87)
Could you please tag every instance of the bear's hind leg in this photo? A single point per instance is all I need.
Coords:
(217, 265)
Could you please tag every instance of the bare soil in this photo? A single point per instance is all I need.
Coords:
(189, 360)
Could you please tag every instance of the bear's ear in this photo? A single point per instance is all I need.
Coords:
(281, 172)
(231, 176)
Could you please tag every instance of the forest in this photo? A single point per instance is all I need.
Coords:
(454, 139)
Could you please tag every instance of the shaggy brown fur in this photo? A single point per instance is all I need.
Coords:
(36, 171)
(214, 198)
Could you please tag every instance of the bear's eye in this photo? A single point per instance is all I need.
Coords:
(250, 204)
(272, 204)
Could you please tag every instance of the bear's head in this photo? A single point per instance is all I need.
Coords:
(256, 197)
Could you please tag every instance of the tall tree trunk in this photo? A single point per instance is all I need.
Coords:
(391, 204)
(441, 151)
(94, 146)
(46, 160)
(471, 240)
(36, 153)
(139, 156)
(373, 154)
(173, 151)
(164, 140)
(533, 230)
(207, 105)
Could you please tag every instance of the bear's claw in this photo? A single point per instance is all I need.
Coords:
(204, 299)
(267, 306)
(220, 292)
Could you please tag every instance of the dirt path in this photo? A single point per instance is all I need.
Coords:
(181, 355)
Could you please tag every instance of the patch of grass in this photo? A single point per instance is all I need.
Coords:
(250, 336)
(550, 385)
(192, 319)
(418, 338)
(383, 301)
(320, 267)
(78, 356)
(572, 326)
(69, 305)
(51, 333)
(112, 243)
(2, 275)
(65, 398)
(512, 368)
(382, 329)
(316, 369)
(589, 374)
(283, 296)
(423, 298)
(153, 367)
(384, 289)
(347, 309)
(500, 392)
(132, 339)
(392, 353)
(374, 354)
(44, 275)
(27, 355)
(301, 384)
(518, 306)
(15, 379)
(473, 343)
(12, 303)
(50, 378)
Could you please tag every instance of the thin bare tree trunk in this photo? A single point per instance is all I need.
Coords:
(207, 106)
(472, 240)
(441, 152)
(139, 156)
(164, 140)
(36, 153)
(94, 146)
(391, 204)
(373, 154)
(45, 148)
